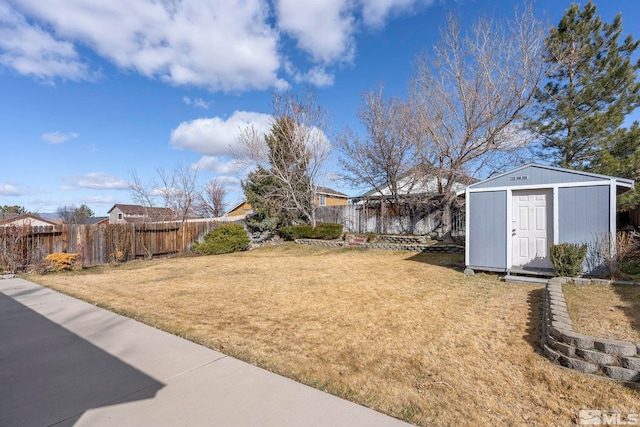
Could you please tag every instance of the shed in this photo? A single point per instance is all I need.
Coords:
(513, 218)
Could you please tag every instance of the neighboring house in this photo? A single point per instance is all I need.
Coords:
(25, 220)
(123, 214)
(96, 220)
(324, 197)
(328, 197)
(241, 209)
(416, 211)
(513, 218)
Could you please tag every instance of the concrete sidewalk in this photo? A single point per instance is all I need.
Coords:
(64, 362)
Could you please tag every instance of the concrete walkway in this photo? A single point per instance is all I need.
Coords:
(64, 362)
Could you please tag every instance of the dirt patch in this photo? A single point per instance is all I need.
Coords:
(403, 334)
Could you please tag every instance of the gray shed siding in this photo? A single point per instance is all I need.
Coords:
(488, 230)
(532, 175)
(583, 213)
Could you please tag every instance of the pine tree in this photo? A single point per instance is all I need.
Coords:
(266, 190)
(591, 88)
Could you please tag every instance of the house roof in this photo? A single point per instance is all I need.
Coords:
(236, 207)
(14, 218)
(330, 192)
(141, 210)
(426, 182)
(94, 220)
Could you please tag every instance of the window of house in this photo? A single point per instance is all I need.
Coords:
(323, 200)
(120, 216)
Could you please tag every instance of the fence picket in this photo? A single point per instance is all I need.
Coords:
(98, 244)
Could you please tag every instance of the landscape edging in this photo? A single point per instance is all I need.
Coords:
(616, 359)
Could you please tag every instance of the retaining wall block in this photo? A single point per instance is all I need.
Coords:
(615, 347)
(596, 357)
(550, 353)
(630, 363)
(578, 340)
(580, 281)
(565, 349)
(578, 365)
(562, 319)
(558, 329)
(601, 282)
(619, 373)
(556, 302)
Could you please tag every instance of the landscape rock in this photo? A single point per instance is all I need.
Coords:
(617, 348)
(578, 365)
(619, 373)
(596, 357)
(630, 362)
(578, 340)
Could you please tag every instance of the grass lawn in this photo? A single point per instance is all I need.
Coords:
(403, 333)
(611, 312)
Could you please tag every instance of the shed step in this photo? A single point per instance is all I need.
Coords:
(524, 279)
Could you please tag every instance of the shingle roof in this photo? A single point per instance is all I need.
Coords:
(330, 192)
(141, 210)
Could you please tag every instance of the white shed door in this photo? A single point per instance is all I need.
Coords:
(532, 227)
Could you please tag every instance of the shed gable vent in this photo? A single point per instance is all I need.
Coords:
(519, 178)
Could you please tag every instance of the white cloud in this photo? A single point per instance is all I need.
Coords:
(30, 50)
(196, 102)
(323, 28)
(58, 137)
(216, 136)
(316, 76)
(7, 189)
(96, 181)
(98, 200)
(375, 12)
(219, 44)
(219, 164)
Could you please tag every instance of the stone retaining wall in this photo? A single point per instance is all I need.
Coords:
(392, 238)
(449, 248)
(617, 359)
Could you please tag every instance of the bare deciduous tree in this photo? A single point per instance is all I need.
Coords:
(384, 159)
(175, 189)
(293, 154)
(211, 200)
(471, 96)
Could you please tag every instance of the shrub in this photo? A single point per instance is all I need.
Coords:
(567, 259)
(326, 231)
(60, 261)
(223, 240)
(293, 232)
(371, 237)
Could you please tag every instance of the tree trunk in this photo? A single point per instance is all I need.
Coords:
(446, 220)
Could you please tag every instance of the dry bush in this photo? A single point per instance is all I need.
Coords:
(601, 255)
(17, 248)
(60, 261)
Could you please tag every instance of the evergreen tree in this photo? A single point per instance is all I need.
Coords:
(591, 88)
(13, 209)
(268, 192)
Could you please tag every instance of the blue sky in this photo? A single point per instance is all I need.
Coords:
(92, 90)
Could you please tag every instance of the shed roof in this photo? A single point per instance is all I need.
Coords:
(539, 175)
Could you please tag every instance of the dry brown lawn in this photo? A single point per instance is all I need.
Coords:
(611, 312)
(403, 333)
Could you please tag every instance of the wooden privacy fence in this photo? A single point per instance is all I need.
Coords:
(98, 244)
